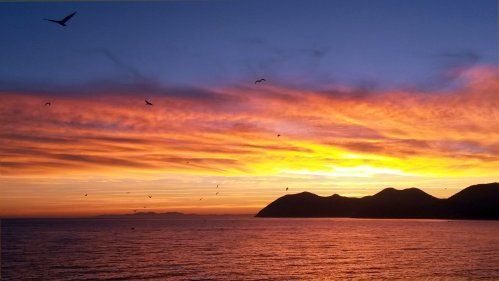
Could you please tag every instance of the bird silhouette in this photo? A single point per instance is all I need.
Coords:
(278, 135)
(149, 196)
(287, 188)
(217, 185)
(260, 80)
(63, 21)
(48, 103)
(86, 194)
(148, 102)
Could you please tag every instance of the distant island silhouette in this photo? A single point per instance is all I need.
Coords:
(474, 202)
(168, 215)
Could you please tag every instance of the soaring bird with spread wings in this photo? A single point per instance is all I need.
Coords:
(148, 102)
(260, 80)
(63, 21)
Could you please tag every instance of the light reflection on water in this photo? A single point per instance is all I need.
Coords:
(248, 249)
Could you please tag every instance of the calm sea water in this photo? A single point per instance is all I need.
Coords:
(248, 249)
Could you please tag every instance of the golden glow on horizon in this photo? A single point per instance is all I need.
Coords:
(344, 141)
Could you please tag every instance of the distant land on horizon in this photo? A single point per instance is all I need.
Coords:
(168, 215)
(474, 202)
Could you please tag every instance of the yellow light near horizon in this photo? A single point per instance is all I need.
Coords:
(358, 171)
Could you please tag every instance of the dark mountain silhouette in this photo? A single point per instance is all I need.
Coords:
(475, 202)
(481, 200)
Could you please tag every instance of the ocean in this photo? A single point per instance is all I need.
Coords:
(246, 248)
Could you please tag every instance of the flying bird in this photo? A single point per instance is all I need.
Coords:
(278, 135)
(86, 194)
(148, 102)
(287, 188)
(149, 196)
(217, 185)
(63, 21)
(48, 103)
(260, 80)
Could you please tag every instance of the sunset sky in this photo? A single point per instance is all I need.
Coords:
(364, 95)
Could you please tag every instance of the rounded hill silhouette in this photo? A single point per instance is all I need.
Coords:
(475, 202)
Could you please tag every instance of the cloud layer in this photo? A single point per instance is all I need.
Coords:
(234, 130)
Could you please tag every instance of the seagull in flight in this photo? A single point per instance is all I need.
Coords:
(48, 103)
(260, 80)
(148, 102)
(63, 21)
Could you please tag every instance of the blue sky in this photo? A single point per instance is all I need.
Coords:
(217, 43)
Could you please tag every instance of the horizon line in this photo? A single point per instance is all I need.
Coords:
(117, 215)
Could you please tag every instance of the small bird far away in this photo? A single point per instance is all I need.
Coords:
(149, 196)
(260, 80)
(63, 21)
(148, 102)
(86, 194)
(217, 185)
(200, 198)
(287, 188)
(278, 135)
(48, 103)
